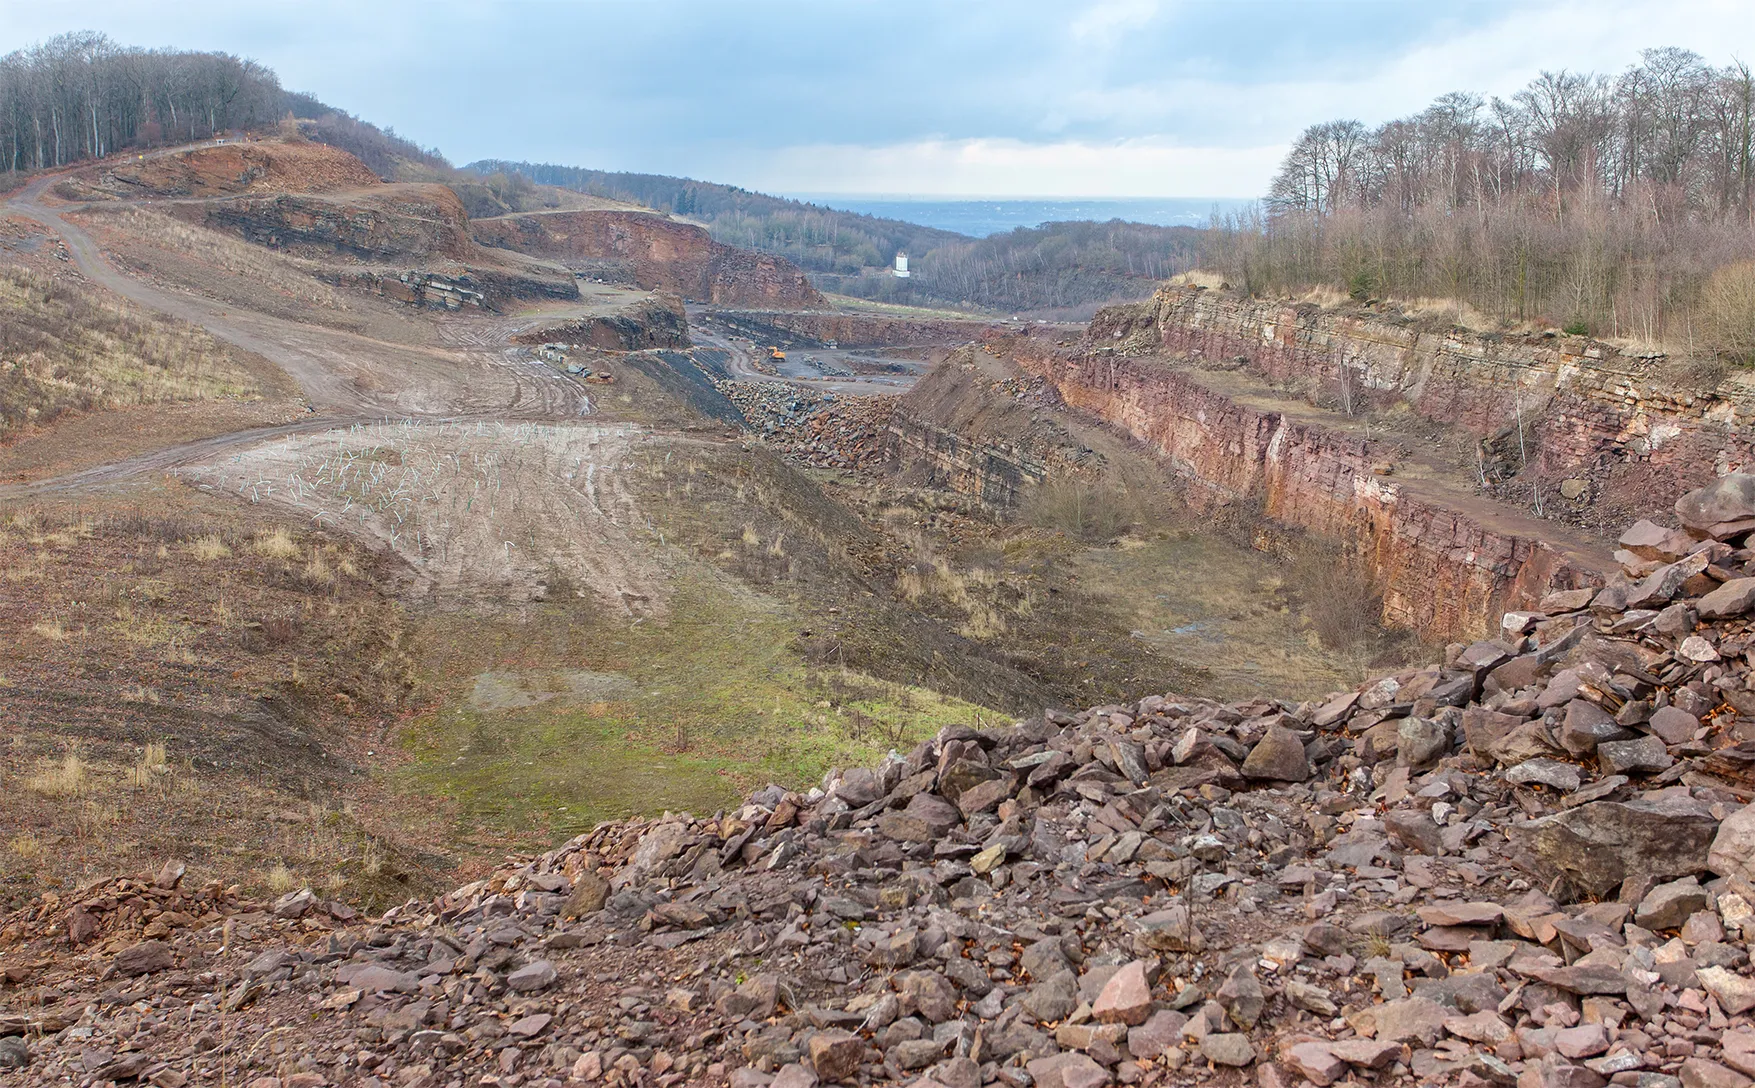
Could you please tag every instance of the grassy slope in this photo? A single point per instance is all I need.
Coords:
(65, 349)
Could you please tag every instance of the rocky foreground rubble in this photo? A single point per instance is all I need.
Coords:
(1531, 865)
(824, 430)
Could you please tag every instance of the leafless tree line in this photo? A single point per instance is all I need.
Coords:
(1606, 202)
(81, 95)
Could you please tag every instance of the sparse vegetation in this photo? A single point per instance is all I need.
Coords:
(1601, 203)
(208, 548)
(63, 349)
(1727, 312)
(275, 543)
(67, 777)
(1091, 510)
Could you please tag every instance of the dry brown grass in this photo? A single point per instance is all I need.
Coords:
(151, 769)
(65, 349)
(70, 777)
(26, 846)
(275, 543)
(51, 629)
(317, 570)
(237, 260)
(206, 549)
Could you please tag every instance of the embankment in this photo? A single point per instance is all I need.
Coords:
(648, 323)
(815, 328)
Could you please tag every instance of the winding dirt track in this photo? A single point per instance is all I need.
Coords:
(345, 378)
(470, 461)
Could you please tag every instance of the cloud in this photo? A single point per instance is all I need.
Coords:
(1134, 97)
(999, 167)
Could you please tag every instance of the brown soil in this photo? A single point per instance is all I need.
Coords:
(278, 166)
(265, 660)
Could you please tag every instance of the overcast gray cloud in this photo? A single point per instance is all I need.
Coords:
(1026, 97)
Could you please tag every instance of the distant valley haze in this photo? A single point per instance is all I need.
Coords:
(1038, 99)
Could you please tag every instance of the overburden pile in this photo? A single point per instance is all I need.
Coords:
(1530, 865)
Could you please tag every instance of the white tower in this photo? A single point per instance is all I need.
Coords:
(901, 265)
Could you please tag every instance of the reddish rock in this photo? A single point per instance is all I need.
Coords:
(1126, 997)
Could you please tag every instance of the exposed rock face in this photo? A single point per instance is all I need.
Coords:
(959, 430)
(420, 231)
(391, 223)
(654, 252)
(1444, 569)
(254, 167)
(651, 323)
(1594, 410)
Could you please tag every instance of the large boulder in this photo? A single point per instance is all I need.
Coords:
(1733, 849)
(1733, 598)
(1722, 508)
(1278, 756)
(1597, 846)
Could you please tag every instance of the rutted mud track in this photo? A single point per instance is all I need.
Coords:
(469, 505)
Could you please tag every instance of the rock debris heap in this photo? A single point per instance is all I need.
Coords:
(822, 430)
(1531, 865)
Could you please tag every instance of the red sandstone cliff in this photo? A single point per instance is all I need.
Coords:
(1448, 563)
(655, 253)
(1617, 418)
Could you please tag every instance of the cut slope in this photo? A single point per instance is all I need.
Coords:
(278, 166)
(653, 252)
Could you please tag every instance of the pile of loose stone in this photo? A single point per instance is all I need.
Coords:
(1530, 865)
(824, 430)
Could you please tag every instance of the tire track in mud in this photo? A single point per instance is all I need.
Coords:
(469, 507)
(542, 491)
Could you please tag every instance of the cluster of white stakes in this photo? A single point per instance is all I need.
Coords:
(404, 473)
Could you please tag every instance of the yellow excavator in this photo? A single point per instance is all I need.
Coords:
(776, 355)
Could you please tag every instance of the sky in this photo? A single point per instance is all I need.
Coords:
(930, 98)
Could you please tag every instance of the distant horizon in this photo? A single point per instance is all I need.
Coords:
(984, 216)
(1041, 198)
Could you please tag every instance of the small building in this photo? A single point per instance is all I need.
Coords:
(901, 265)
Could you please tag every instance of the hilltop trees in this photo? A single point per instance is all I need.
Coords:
(80, 95)
(1592, 200)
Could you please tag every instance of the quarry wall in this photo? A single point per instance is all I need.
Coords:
(1446, 566)
(1633, 423)
(655, 253)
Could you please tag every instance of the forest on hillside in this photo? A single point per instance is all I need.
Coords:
(815, 238)
(82, 96)
(1618, 205)
(1055, 266)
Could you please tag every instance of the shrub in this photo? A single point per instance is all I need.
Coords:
(1727, 312)
(1082, 509)
(1577, 328)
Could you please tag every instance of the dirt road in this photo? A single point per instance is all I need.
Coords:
(468, 459)
(741, 366)
(343, 375)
